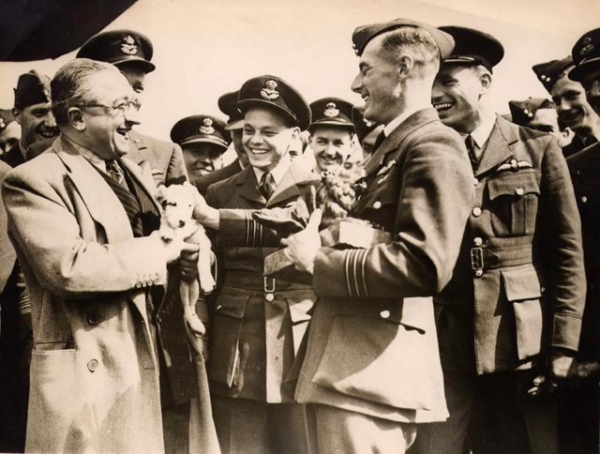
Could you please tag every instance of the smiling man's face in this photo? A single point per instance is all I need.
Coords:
(455, 96)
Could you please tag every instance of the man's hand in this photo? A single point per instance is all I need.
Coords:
(204, 213)
(303, 246)
(174, 248)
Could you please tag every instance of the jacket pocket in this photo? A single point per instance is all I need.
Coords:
(379, 359)
(299, 304)
(522, 289)
(514, 202)
(224, 358)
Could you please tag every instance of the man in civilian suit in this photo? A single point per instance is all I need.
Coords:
(510, 317)
(83, 222)
(372, 366)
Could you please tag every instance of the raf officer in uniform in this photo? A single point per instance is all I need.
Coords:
(331, 132)
(235, 125)
(585, 171)
(572, 107)
(372, 366)
(32, 110)
(511, 315)
(258, 322)
(203, 139)
(131, 52)
(535, 113)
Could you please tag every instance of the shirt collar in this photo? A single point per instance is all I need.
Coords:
(278, 172)
(482, 133)
(389, 128)
(87, 154)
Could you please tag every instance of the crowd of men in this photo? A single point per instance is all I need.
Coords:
(472, 327)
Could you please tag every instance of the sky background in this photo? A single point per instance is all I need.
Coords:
(203, 49)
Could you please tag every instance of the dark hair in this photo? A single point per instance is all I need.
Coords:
(419, 44)
(70, 87)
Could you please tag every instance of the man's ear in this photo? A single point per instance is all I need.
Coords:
(486, 82)
(75, 117)
(17, 114)
(405, 65)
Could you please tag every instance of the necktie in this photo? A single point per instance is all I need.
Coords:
(470, 144)
(590, 140)
(378, 141)
(267, 185)
(114, 171)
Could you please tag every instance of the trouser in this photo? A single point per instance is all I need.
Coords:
(253, 427)
(495, 414)
(346, 432)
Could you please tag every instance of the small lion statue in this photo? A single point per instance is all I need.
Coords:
(178, 201)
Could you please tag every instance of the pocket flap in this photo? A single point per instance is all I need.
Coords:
(514, 184)
(300, 305)
(232, 304)
(521, 283)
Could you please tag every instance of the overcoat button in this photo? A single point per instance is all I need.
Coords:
(478, 273)
(476, 212)
(92, 365)
(269, 297)
(519, 191)
(385, 314)
(584, 199)
(377, 204)
(477, 241)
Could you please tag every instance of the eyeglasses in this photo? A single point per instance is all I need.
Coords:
(123, 107)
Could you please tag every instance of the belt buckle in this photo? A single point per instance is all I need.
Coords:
(477, 258)
(267, 288)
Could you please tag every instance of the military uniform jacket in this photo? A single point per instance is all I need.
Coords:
(221, 174)
(94, 374)
(165, 158)
(372, 345)
(519, 285)
(257, 324)
(13, 157)
(585, 174)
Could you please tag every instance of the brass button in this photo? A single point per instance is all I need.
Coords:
(520, 191)
(476, 212)
(478, 273)
(584, 199)
(385, 314)
(377, 204)
(477, 241)
(269, 297)
(92, 365)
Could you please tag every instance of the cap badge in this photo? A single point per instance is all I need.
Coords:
(270, 91)
(2, 123)
(331, 110)
(128, 45)
(206, 127)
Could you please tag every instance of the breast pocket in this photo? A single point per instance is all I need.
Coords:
(514, 200)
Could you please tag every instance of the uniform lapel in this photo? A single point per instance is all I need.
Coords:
(499, 146)
(288, 186)
(391, 142)
(248, 186)
(102, 203)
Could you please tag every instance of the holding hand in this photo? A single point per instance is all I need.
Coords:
(303, 246)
